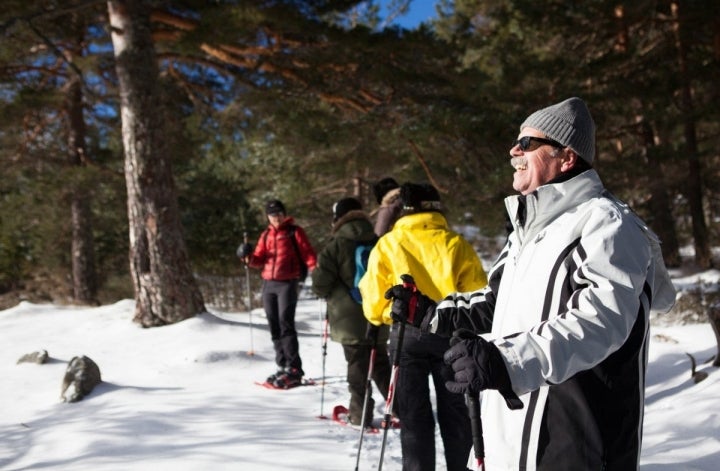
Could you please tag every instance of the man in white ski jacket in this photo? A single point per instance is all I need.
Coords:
(564, 319)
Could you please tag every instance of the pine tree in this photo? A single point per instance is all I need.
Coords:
(165, 289)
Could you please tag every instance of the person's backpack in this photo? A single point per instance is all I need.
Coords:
(362, 253)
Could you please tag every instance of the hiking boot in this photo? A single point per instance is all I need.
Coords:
(289, 378)
(271, 379)
(355, 417)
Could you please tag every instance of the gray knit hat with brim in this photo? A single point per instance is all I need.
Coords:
(569, 123)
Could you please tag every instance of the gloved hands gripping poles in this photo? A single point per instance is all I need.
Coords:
(410, 305)
(478, 365)
(245, 249)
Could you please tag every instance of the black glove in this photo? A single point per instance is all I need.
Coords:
(477, 364)
(410, 305)
(244, 250)
(371, 334)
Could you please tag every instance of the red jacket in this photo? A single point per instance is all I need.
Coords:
(275, 252)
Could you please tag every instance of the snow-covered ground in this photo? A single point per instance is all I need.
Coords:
(183, 397)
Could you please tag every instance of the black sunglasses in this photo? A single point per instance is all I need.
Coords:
(526, 141)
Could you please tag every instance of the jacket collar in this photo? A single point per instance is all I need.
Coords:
(549, 201)
(347, 217)
(422, 220)
(289, 221)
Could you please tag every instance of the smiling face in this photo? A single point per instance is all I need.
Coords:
(539, 164)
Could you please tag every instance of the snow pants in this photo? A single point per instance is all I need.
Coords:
(358, 364)
(422, 356)
(280, 300)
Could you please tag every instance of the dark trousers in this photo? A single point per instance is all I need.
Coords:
(358, 365)
(420, 357)
(280, 300)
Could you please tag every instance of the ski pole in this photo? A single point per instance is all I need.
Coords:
(249, 297)
(408, 282)
(324, 356)
(368, 387)
(473, 405)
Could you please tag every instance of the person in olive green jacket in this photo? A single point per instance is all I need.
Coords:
(332, 279)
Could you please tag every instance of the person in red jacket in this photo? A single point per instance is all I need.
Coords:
(283, 251)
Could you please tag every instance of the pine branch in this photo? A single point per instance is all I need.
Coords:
(47, 14)
(425, 167)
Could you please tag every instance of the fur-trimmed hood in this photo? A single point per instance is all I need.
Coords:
(347, 217)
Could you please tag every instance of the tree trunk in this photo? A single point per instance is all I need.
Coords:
(713, 313)
(694, 187)
(165, 289)
(661, 216)
(84, 277)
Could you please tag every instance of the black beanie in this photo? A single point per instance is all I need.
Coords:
(344, 206)
(418, 197)
(381, 188)
(274, 207)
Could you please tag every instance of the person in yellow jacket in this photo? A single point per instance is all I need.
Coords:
(441, 262)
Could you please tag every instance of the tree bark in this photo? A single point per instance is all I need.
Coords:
(662, 219)
(84, 276)
(694, 188)
(165, 289)
(713, 313)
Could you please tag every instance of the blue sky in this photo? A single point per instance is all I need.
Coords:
(420, 11)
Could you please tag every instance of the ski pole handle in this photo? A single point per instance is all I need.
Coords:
(473, 404)
(409, 282)
(243, 250)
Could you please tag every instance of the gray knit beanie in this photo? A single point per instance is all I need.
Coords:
(569, 123)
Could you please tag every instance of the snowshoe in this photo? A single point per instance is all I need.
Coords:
(341, 415)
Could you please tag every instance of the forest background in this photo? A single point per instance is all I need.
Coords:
(140, 139)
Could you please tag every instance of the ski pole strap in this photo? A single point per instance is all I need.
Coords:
(511, 399)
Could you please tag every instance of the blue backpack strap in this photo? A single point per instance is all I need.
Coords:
(362, 254)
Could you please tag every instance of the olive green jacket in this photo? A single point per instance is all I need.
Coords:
(333, 277)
